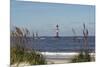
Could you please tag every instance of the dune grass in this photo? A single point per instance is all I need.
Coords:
(19, 52)
(18, 55)
(82, 57)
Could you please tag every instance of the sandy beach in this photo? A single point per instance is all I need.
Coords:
(55, 58)
(59, 58)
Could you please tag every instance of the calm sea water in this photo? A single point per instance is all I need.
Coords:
(62, 44)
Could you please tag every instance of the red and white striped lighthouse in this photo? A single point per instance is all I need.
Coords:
(57, 31)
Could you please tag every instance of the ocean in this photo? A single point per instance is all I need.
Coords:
(61, 44)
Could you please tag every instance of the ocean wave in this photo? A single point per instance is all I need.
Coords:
(59, 53)
(62, 53)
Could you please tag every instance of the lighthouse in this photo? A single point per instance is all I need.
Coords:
(57, 30)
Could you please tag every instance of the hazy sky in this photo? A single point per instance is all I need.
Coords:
(43, 17)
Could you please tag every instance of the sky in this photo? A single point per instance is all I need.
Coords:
(43, 17)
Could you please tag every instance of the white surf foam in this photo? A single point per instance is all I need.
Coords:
(59, 53)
